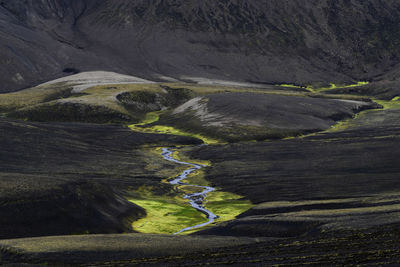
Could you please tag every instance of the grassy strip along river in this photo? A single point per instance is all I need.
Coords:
(198, 205)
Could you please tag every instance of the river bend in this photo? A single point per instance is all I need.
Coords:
(197, 200)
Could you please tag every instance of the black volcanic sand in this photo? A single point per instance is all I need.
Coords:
(327, 166)
(262, 41)
(328, 198)
(67, 178)
(247, 116)
(326, 182)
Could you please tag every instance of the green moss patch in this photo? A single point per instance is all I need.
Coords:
(146, 127)
(168, 213)
(227, 205)
(166, 216)
(393, 104)
(320, 88)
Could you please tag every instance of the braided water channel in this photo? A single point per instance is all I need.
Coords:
(196, 200)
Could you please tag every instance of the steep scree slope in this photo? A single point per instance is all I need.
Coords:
(296, 41)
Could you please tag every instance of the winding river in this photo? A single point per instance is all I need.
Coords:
(197, 200)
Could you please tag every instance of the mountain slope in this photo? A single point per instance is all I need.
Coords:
(297, 41)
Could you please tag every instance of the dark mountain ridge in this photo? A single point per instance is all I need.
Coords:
(267, 41)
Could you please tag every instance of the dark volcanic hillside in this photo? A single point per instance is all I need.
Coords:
(254, 40)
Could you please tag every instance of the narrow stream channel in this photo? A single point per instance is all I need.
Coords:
(197, 200)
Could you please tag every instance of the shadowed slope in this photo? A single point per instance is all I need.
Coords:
(69, 178)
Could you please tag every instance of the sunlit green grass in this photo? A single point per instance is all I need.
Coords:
(169, 213)
(227, 205)
(161, 129)
(336, 86)
(393, 104)
(321, 89)
(166, 216)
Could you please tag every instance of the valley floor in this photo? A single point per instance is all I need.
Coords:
(321, 192)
